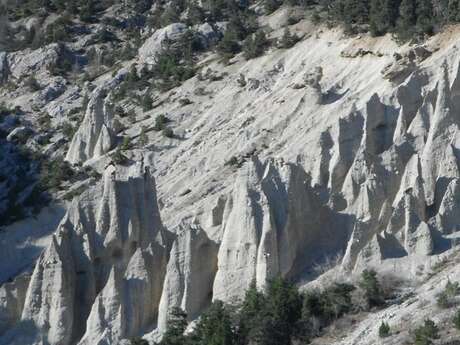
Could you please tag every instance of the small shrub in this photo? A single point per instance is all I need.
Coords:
(53, 173)
(168, 132)
(322, 308)
(201, 91)
(68, 130)
(88, 11)
(233, 161)
(160, 122)
(44, 121)
(241, 80)
(60, 68)
(175, 63)
(126, 144)
(139, 341)
(452, 288)
(255, 45)
(118, 157)
(32, 84)
(315, 17)
(443, 301)
(58, 31)
(424, 335)
(120, 111)
(5, 110)
(293, 20)
(143, 139)
(288, 40)
(271, 5)
(447, 297)
(456, 320)
(147, 103)
(185, 101)
(384, 330)
(176, 325)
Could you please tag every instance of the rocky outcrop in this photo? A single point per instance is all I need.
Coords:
(32, 62)
(12, 297)
(403, 65)
(208, 34)
(274, 224)
(366, 172)
(154, 43)
(95, 136)
(50, 302)
(190, 274)
(100, 279)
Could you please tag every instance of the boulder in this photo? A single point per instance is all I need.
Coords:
(208, 34)
(153, 44)
(22, 64)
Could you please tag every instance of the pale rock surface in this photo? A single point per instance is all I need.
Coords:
(95, 135)
(154, 43)
(208, 34)
(12, 297)
(32, 62)
(100, 278)
(272, 225)
(52, 91)
(190, 274)
(352, 164)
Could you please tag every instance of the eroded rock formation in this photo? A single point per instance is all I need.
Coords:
(100, 279)
(95, 136)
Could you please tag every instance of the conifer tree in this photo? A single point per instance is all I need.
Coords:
(215, 326)
(383, 15)
(407, 18)
(176, 325)
(425, 18)
(288, 40)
